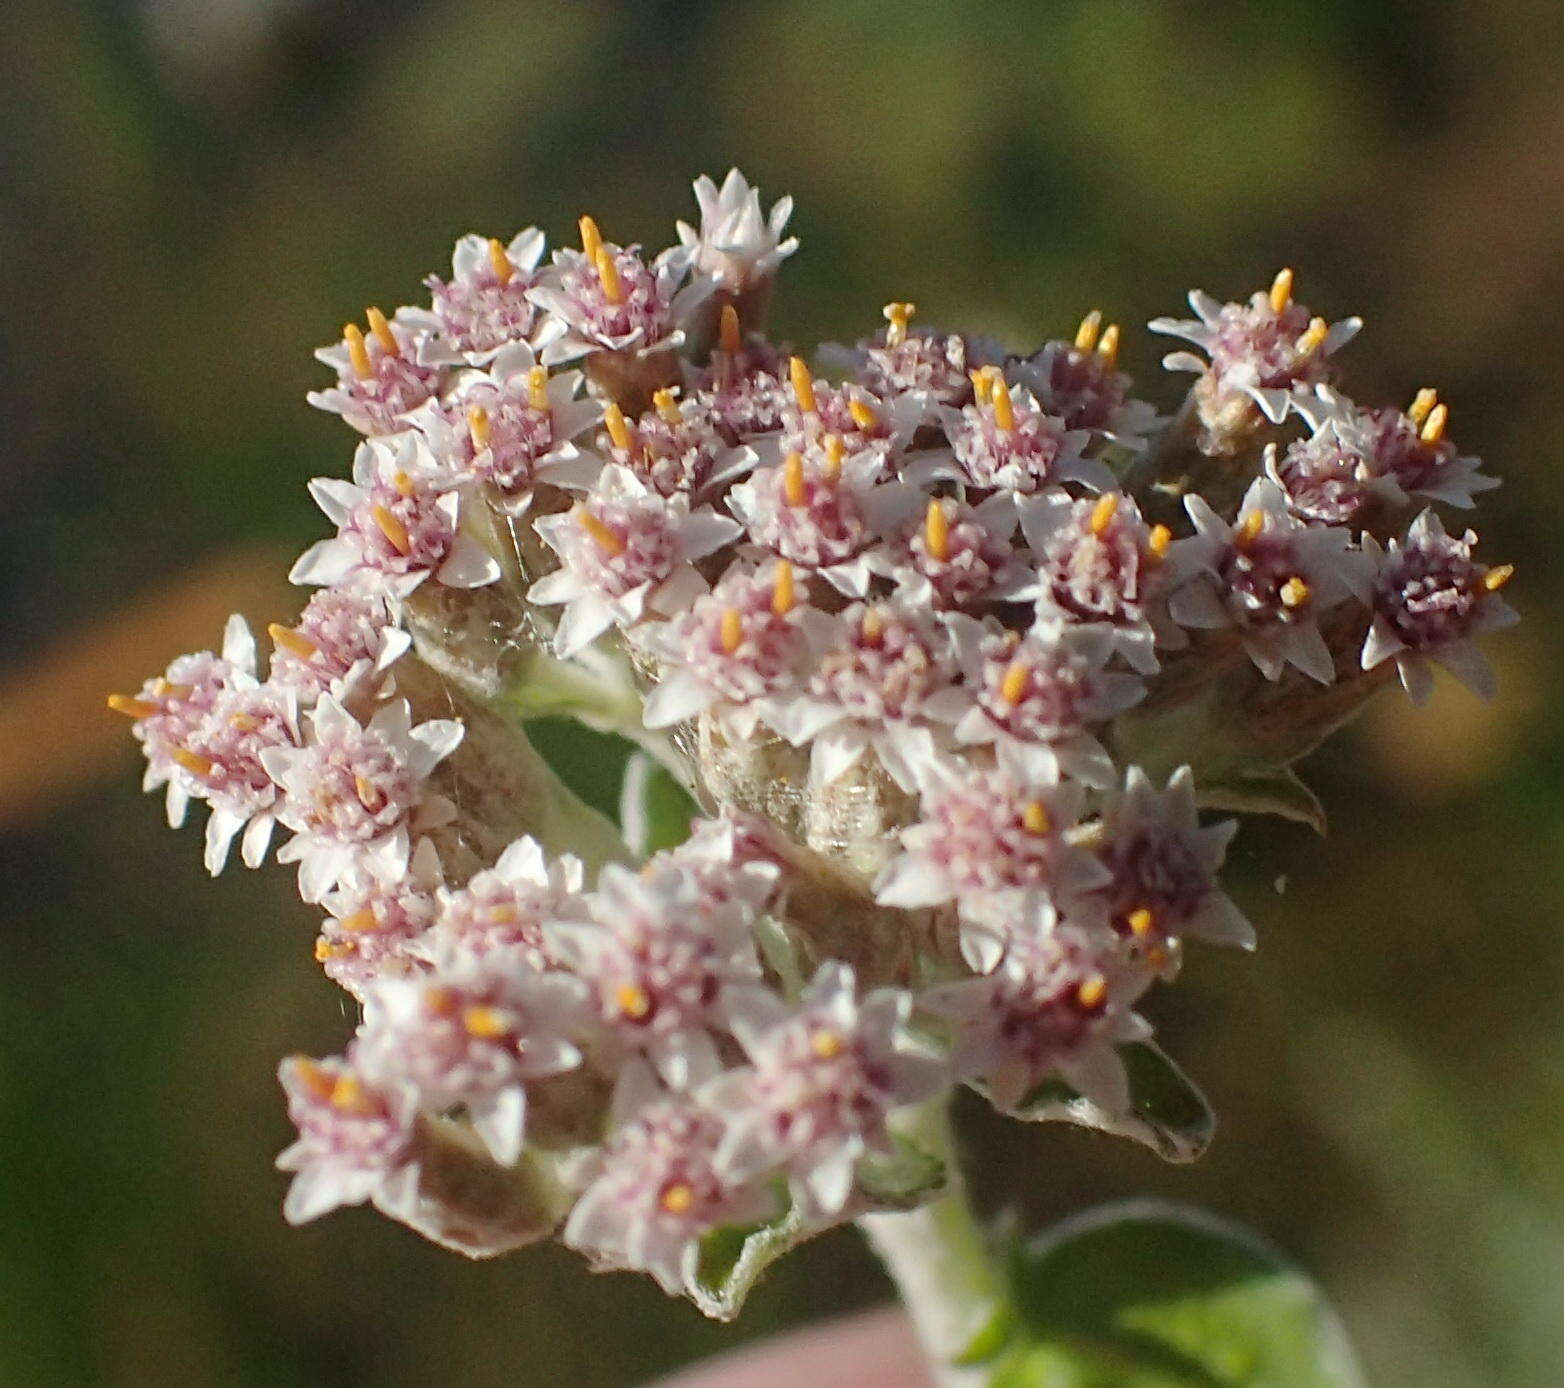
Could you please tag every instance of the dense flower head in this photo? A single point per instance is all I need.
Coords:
(954, 647)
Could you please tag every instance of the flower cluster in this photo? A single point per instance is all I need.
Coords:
(953, 674)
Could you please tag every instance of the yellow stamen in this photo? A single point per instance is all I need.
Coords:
(1108, 348)
(196, 765)
(503, 915)
(1498, 576)
(360, 922)
(478, 426)
(164, 690)
(591, 239)
(358, 352)
(1140, 922)
(1013, 687)
(1103, 512)
(835, 451)
(898, 316)
(1034, 817)
(132, 708)
(873, 624)
(348, 1095)
(936, 531)
(244, 722)
(632, 1000)
(1086, 334)
(782, 594)
(1248, 529)
(369, 794)
(392, 528)
(667, 406)
(295, 643)
(486, 1023)
(981, 376)
(728, 331)
(1422, 403)
(403, 484)
(382, 331)
(732, 629)
(1312, 337)
(325, 950)
(803, 385)
(603, 534)
(793, 489)
(863, 415)
(608, 273)
(618, 428)
(1281, 290)
(315, 1078)
(537, 389)
(1093, 993)
(1434, 426)
(503, 269)
(1004, 410)
(678, 1199)
(440, 1000)
(827, 1045)
(1294, 593)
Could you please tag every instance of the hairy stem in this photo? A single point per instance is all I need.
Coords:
(939, 1257)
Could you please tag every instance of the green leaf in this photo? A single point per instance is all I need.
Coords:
(732, 1259)
(1167, 1112)
(654, 809)
(1143, 1295)
(902, 1179)
(1277, 791)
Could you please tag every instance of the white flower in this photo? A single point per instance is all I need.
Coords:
(380, 375)
(658, 951)
(1078, 384)
(397, 523)
(887, 677)
(1268, 577)
(484, 308)
(1162, 867)
(1265, 349)
(1053, 1006)
(625, 552)
(823, 1079)
(356, 1138)
(473, 1032)
(1009, 442)
(737, 245)
(355, 792)
(654, 1188)
(1431, 599)
(376, 924)
(506, 908)
(1041, 695)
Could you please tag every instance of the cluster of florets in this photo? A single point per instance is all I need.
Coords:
(925, 640)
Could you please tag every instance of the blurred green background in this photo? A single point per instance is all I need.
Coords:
(195, 193)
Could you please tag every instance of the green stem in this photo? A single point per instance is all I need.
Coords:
(951, 1284)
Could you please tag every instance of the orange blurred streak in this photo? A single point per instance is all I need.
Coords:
(55, 733)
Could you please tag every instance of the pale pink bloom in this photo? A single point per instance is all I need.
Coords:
(356, 792)
(1054, 1006)
(473, 1032)
(506, 908)
(395, 384)
(737, 245)
(1084, 390)
(823, 1079)
(743, 394)
(681, 452)
(824, 515)
(625, 552)
(1042, 696)
(658, 950)
(377, 925)
(1268, 576)
(484, 307)
(345, 634)
(1431, 600)
(654, 1188)
(1255, 348)
(1027, 451)
(357, 1139)
(397, 523)
(934, 367)
(885, 678)
(962, 559)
